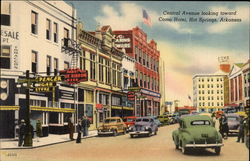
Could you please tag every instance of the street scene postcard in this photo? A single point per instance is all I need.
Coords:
(124, 80)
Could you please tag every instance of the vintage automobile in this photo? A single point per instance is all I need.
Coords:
(233, 120)
(197, 131)
(164, 119)
(129, 121)
(112, 125)
(143, 126)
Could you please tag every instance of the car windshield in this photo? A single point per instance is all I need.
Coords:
(130, 120)
(200, 122)
(110, 120)
(232, 118)
(143, 120)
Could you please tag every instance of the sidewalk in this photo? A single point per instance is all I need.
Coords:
(52, 139)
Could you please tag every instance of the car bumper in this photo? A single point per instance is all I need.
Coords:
(138, 132)
(233, 131)
(203, 145)
(105, 132)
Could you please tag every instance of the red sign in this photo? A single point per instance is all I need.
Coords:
(75, 75)
(99, 106)
(131, 96)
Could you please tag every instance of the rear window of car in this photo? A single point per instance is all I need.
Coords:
(143, 120)
(110, 120)
(200, 122)
(130, 120)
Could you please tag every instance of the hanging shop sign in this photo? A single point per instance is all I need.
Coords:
(122, 42)
(131, 96)
(44, 87)
(74, 75)
(49, 79)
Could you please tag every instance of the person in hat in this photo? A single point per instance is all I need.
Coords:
(38, 129)
(79, 131)
(22, 129)
(85, 125)
(224, 126)
(71, 129)
(241, 129)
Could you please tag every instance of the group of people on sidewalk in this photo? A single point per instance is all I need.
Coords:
(23, 130)
(81, 128)
(224, 129)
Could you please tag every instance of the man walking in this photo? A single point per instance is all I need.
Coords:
(71, 129)
(241, 129)
(22, 129)
(79, 131)
(85, 125)
(223, 126)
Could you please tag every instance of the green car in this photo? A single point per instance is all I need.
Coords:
(197, 131)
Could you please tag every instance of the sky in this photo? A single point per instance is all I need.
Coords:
(186, 47)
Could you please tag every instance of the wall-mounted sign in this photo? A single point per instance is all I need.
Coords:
(99, 106)
(131, 96)
(122, 42)
(74, 76)
(6, 35)
(151, 93)
(49, 79)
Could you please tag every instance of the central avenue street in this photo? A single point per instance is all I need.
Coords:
(124, 148)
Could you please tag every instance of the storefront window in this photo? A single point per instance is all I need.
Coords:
(5, 57)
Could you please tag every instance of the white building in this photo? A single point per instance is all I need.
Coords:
(246, 75)
(210, 91)
(31, 39)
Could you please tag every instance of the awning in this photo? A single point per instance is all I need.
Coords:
(116, 107)
(7, 108)
(128, 108)
(52, 109)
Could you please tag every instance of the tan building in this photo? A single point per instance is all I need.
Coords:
(210, 91)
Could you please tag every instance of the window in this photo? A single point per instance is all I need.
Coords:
(144, 59)
(66, 37)
(5, 13)
(114, 74)
(48, 65)
(108, 72)
(34, 19)
(136, 53)
(92, 66)
(66, 65)
(140, 56)
(83, 60)
(48, 29)
(119, 76)
(34, 62)
(55, 66)
(212, 86)
(101, 61)
(208, 86)
(5, 57)
(55, 32)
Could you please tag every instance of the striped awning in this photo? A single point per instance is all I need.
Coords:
(6, 108)
(52, 109)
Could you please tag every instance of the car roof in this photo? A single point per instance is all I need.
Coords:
(195, 117)
(232, 114)
(113, 118)
(146, 117)
(130, 117)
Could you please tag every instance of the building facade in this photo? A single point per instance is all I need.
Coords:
(210, 91)
(236, 86)
(33, 42)
(146, 86)
(246, 75)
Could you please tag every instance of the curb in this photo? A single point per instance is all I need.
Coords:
(33, 147)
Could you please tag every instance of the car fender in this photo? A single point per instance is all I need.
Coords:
(185, 137)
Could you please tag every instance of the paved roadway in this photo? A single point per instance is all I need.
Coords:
(123, 148)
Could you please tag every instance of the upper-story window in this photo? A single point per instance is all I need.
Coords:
(92, 66)
(66, 65)
(48, 29)
(5, 13)
(34, 61)
(48, 65)
(5, 57)
(55, 64)
(55, 32)
(34, 24)
(65, 36)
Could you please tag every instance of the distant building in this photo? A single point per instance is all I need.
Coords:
(147, 78)
(246, 74)
(210, 91)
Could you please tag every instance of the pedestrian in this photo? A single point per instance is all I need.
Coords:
(85, 125)
(21, 134)
(79, 131)
(71, 129)
(241, 129)
(224, 126)
(38, 129)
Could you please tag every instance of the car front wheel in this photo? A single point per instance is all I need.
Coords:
(132, 136)
(115, 133)
(217, 150)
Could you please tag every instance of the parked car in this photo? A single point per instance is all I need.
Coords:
(171, 118)
(197, 131)
(129, 121)
(233, 122)
(143, 126)
(163, 119)
(176, 116)
(112, 125)
(157, 121)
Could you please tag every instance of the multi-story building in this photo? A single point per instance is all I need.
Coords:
(236, 95)
(246, 88)
(103, 61)
(147, 77)
(33, 41)
(210, 91)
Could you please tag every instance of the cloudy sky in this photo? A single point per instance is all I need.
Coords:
(187, 48)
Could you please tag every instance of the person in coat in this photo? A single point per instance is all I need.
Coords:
(85, 125)
(22, 128)
(241, 129)
(224, 126)
(79, 131)
(38, 129)
(71, 129)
